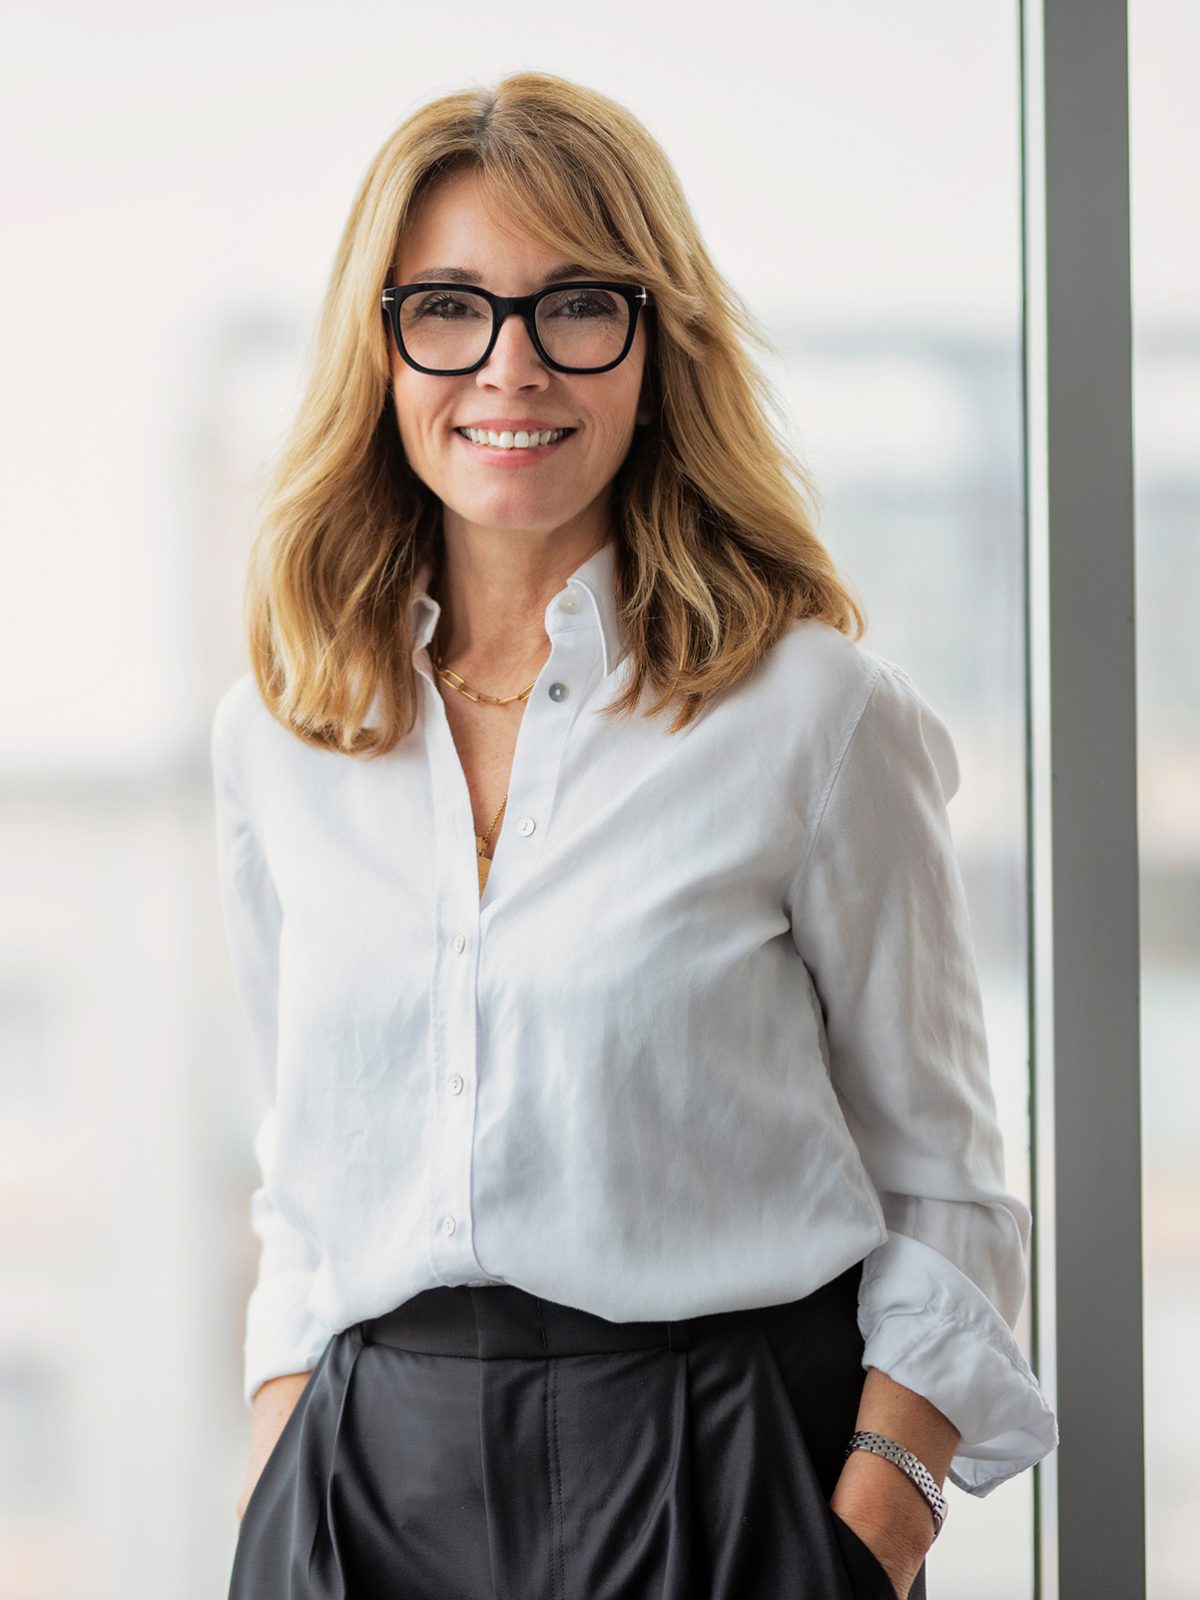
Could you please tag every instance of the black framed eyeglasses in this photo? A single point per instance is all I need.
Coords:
(448, 331)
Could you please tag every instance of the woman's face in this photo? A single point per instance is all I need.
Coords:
(540, 490)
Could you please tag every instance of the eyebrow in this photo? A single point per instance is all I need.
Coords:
(461, 275)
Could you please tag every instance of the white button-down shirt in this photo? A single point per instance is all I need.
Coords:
(712, 1034)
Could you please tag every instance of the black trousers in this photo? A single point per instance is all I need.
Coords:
(483, 1444)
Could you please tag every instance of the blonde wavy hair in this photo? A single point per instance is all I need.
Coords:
(716, 550)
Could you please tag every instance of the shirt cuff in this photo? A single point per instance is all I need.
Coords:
(282, 1334)
(932, 1329)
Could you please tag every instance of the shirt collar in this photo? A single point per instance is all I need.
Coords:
(593, 581)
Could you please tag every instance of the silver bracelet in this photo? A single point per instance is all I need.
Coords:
(910, 1465)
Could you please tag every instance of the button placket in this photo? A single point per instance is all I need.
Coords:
(575, 660)
(454, 1041)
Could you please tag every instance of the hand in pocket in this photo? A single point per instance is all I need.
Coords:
(273, 1404)
(887, 1574)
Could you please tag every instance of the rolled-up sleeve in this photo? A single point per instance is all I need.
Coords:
(880, 919)
(281, 1333)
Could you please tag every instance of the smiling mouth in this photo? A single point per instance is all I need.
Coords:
(522, 439)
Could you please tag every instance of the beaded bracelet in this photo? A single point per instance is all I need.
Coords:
(910, 1465)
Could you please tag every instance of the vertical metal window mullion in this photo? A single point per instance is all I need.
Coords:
(1082, 772)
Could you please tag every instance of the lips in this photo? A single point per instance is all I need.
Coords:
(517, 442)
(515, 425)
(528, 430)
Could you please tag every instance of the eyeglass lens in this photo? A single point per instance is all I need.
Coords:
(577, 327)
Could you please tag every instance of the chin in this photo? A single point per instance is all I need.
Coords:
(528, 513)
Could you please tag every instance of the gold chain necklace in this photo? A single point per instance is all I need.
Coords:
(448, 675)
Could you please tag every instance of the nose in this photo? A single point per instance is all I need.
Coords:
(514, 361)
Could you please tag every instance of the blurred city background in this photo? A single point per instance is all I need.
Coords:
(175, 178)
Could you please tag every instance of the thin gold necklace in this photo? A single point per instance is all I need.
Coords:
(448, 675)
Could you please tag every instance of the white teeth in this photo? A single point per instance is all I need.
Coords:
(521, 440)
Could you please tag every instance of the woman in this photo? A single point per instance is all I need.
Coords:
(632, 1208)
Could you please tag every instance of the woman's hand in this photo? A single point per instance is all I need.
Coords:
(270, 1408)
(891, 1518)
(883, 1506)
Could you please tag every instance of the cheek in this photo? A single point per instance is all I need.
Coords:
(614, 422)
(409, 443)
(418, 419)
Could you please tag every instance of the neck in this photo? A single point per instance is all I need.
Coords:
(493, 588)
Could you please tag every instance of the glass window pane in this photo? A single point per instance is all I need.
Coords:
(860, 188)
(1165, 122)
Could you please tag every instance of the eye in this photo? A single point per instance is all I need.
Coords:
(445, 307)
(577, 305)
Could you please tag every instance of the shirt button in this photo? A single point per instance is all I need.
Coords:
(569, 602)
(447, 1224)
(456, 1084)
(558, 691)
(460, 942)
(526, 825)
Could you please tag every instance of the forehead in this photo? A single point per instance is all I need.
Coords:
(451, 226)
